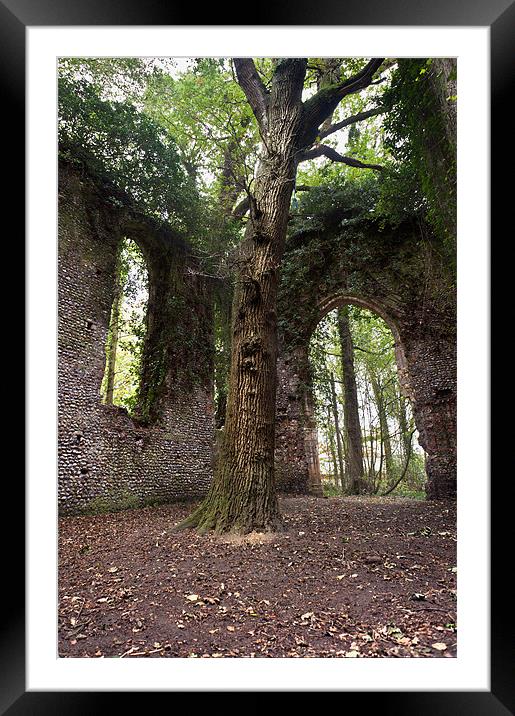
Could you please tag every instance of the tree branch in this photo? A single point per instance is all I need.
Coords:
(351, 120)
(405, 470)
(241, 208)
(325, 101)
(255, 91)
(324, 151)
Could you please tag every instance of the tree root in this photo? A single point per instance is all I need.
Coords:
(204, 520)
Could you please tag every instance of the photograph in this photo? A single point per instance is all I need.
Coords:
(257, 357)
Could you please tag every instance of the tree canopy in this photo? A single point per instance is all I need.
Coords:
(181, 139)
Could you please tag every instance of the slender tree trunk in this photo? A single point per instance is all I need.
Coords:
(339, 445)
(354, 443)
(373, 442)
(383, 427)
(406, 438)
(114, 329)
(365, 441)
(403, 426)
(332, 448)
(377, 478)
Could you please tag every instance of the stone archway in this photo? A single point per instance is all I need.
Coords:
(398, 275)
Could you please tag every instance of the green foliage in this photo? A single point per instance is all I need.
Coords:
(207, 114)
(331, 489)
(115, 78)
(413, 484)
(125, 147)
(422, 176)
(334, 195)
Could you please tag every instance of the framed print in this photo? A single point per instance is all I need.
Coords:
(36, 675)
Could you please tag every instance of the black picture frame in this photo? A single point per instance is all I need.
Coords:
(15, 17)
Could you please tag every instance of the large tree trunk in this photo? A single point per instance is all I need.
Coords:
(242, 497)
(354, 443)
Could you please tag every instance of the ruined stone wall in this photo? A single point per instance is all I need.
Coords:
(297, 463)
(106, 459)
(109, 460)
(432, 362)
(291, 469)
(397, 273)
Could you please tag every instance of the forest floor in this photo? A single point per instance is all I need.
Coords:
(349, 577)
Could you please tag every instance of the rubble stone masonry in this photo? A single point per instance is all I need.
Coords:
(106, 459)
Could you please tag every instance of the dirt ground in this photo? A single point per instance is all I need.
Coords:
(350, 577)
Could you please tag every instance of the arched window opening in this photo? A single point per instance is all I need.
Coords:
(127, 328)
(367, 439)
(222, 353)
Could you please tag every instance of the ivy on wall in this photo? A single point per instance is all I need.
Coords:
(417, 135)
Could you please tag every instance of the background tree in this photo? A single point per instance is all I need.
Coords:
(388, 444)
(350, 405)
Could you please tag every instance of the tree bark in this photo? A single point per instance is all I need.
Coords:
(351, 408)
(403, 426)
(339, 446)
(331, 445)
(383, 426)
(406, 430)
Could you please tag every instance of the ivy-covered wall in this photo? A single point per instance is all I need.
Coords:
(107, 459)
(399, 273)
